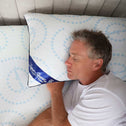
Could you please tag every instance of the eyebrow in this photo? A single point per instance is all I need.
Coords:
(75, 54)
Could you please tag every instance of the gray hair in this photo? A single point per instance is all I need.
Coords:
(99, 45)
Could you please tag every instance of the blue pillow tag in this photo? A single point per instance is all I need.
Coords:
(38, 74)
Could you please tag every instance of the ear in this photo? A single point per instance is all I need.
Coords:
(97, 64)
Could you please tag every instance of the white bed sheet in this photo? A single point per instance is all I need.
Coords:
(19, 104)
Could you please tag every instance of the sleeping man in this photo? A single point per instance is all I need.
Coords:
(96, 97)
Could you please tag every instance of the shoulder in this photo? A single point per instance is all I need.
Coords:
(100, 97)
(109, 88)
(97, 104)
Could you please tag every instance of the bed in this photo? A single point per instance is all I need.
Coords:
(21, 103)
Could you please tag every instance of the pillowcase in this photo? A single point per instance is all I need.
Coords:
(14, 92)
(19, 103)
(50, 39)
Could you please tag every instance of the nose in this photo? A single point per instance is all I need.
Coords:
(68, 62)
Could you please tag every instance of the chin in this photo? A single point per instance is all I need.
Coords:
(71, 77)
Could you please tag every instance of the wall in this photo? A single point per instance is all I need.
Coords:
(12, 11)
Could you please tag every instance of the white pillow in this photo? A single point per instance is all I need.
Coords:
(19, 104)
(50, 39)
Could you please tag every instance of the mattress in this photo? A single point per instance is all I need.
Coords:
(19, 104)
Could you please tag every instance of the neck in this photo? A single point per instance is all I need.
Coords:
(91, 78)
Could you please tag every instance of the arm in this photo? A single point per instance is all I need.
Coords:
(42, 118)
(59, 114)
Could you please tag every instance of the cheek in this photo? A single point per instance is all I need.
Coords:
(75, 69)
(79, 68)
(83, 67)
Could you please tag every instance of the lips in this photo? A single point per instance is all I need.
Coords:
(69, 71)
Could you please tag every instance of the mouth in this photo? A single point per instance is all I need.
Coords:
(69, 71)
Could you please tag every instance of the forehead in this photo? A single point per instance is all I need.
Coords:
(78, 47)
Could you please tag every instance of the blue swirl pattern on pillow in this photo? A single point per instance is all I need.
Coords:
(3, 41)
(18, 101)
(35, 34)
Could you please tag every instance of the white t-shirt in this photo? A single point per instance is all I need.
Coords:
(102, 103)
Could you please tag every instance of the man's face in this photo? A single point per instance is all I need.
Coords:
(79, 65)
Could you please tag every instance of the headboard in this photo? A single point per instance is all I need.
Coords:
(12, 11)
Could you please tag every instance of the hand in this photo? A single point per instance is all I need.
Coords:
(55, 87)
